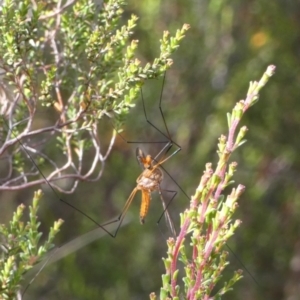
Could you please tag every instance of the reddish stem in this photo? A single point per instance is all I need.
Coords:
(179, 241)
(232, 129)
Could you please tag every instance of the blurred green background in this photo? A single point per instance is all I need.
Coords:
(229, 44)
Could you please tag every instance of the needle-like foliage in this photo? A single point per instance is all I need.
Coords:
(21, 247)
(76, 62)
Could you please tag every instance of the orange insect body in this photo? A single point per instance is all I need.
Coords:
(148, 182)
(146, 198)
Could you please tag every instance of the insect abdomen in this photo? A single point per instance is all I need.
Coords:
(146, 198)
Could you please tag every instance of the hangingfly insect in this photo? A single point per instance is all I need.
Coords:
(148, 182)
(151, 178)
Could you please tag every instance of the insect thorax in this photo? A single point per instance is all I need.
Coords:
(150, 179)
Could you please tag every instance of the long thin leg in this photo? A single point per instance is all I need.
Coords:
(168, 135)
(165, 211)
(39, 271)
(123, 213)
(169, 141)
